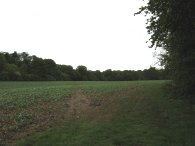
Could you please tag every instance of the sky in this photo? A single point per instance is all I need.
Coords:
(99, 34)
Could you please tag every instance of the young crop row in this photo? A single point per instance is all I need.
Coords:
(25, 94)
(26, 97)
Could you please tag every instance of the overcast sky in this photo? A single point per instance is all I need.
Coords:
(100, 34)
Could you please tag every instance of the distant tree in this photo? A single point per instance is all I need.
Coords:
(50, 69)
(82, 73)
(92, 76)
(37, 68)
(108, 75)
(67, 72)
(25, 58)
(2, 62)
(117, 75)
(24, 69)
(11, 72)
(15, 59)
(98, 75)
(151, 74)
(126, 75)
(129, 75)
(25, 62)
(7, 57)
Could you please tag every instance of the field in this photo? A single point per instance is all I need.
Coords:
(136, 113)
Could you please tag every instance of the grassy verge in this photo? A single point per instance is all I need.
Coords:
(141, 115)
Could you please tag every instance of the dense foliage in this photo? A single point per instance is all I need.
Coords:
(172, 27)
(23, 67)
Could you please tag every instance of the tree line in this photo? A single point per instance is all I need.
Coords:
(24, 67)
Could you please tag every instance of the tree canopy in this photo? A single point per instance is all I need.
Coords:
(171, 25)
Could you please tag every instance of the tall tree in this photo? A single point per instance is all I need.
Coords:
(172, 26)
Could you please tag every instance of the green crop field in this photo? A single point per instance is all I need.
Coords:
(135, 113)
